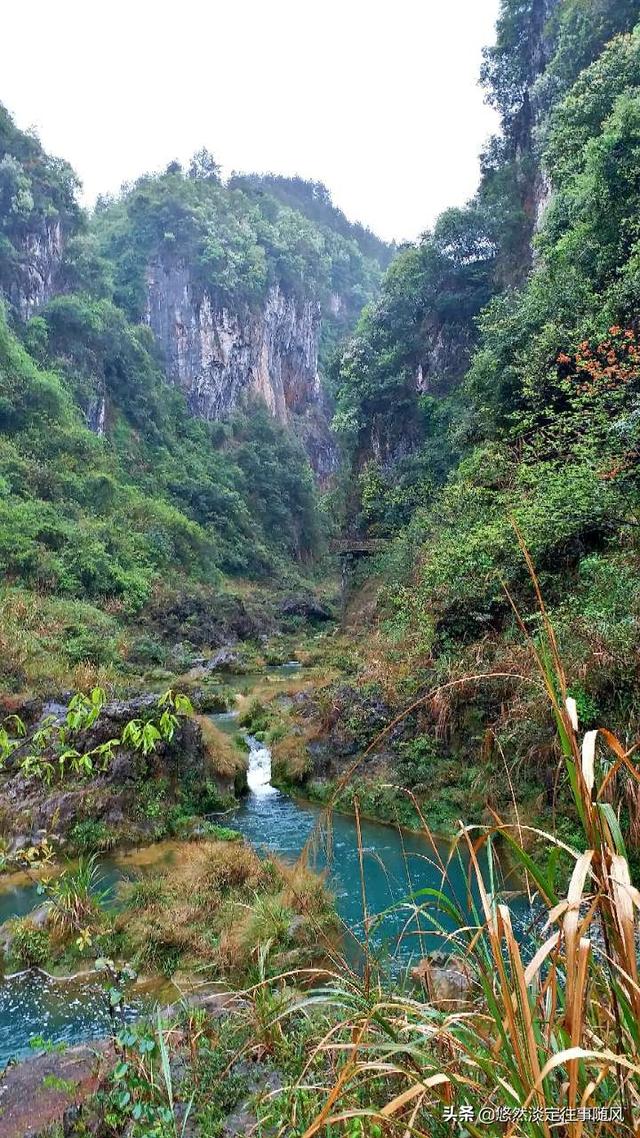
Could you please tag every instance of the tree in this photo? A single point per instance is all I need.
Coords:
(204, 166)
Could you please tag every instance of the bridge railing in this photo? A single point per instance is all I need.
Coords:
(345, 545)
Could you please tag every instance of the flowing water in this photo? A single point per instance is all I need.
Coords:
(35, 1006)
(395, 865)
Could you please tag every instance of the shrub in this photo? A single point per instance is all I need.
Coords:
(417, 760)
(256, 718)
(92, 835)
(30, 945)
(77, 896)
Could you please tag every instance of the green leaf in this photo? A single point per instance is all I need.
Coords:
(605, 809)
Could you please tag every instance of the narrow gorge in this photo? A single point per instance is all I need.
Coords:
(320, 630)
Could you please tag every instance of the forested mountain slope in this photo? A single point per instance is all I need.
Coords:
(153, 360)
(497, 381)
(169, 365)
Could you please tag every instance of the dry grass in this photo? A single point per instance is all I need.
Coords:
(293, 921)
(219, 906)
(215, 867)
(291, 758)
(224, 757)
(556, 1029)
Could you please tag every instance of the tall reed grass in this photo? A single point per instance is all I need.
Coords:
(547, 1042)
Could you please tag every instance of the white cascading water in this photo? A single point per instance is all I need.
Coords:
(259, 768)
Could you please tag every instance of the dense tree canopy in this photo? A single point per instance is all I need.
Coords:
(109, 488)
(238, 239)
(482, 389)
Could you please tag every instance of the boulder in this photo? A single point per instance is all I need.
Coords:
(260, 1079)
(41, 916)
(225, 660)
(308, 607)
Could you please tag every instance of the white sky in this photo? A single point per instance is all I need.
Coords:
(379, 100)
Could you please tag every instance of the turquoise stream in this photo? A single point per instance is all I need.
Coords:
(396, 864)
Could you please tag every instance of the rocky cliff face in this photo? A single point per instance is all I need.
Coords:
(217, 355)
(35, 282)
(220, 356)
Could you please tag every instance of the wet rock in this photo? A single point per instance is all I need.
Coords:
(122, 767)
(60, 809)
(114, 814)
(6, 938)
(207, 619)
(322, 757)
(308, 607)
(225, 660)
(56, 710)
(41, 916)
(33, 810)
(260, 1080)
(31, 1107)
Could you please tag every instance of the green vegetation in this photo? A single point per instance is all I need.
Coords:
(512, 1033)
(488, 408)
(91, 836)
(351, 255)
(82, 518)
(102, 774)
(112, 496)
(48, 753)
(238, 239)
(487, 402)
(30, 945)
(37, 195)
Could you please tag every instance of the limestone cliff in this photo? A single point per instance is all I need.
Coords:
(39, 211)
(239, 282)
(222, 356)
(38, 264)
(217, 354)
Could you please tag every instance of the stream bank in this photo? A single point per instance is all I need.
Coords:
(395, 864)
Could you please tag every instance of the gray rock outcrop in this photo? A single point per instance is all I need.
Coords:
(222, 356)
(36, 277)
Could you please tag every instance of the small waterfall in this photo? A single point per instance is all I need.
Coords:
(259, 768)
